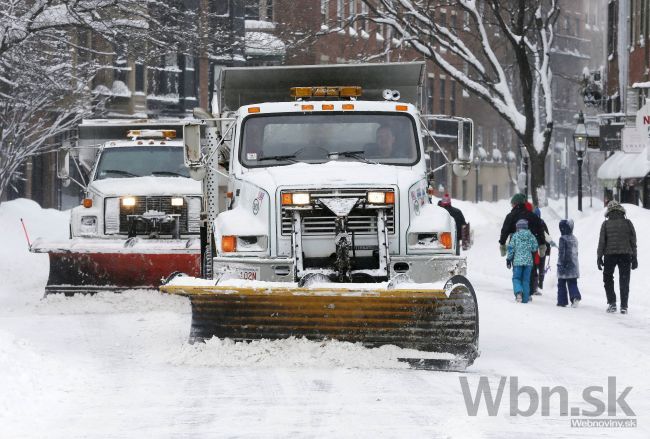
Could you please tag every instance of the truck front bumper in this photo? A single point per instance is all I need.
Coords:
(420, 268)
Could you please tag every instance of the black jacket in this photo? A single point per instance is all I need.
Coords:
(617, 236)
(510, 224)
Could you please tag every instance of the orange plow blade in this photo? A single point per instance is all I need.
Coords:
(434, 320)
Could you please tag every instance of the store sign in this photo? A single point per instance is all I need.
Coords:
(633, 140)
(610, 137)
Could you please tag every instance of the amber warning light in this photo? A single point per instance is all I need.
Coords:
(347, 91)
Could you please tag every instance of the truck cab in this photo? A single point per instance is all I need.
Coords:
(139, 187)
(329, 185)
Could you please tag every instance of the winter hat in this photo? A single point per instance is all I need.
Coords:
(537, 212)
(614, 206)
(529, 206)
(518, 199)
(445, 201)
(566, 226)
(522, 224)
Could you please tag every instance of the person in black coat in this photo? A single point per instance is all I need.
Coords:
(617, 247)
(518, 212)
(456, 214)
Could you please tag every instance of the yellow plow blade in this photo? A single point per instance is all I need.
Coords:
(422, 319)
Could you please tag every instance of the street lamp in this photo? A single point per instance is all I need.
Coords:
(580, 145)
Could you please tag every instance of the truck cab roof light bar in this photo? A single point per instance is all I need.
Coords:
(347, 91)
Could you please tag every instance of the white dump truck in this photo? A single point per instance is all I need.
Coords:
(140, 216)
(319, 221)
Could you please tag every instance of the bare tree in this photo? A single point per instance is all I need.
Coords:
(46, 71)
(501, 54)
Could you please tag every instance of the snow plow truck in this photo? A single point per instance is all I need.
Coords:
(139, 218)
(319, 222)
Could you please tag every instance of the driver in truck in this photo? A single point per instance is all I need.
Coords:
(383, 146)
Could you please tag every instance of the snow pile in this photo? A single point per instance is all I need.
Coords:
(19, 267)
(296, 352)
(132, 301)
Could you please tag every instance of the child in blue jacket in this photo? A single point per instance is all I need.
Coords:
(567, 266)
(520, 257)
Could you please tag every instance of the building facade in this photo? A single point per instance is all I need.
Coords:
(625, 176)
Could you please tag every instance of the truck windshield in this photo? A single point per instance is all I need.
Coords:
(140, 161)
(316, 138)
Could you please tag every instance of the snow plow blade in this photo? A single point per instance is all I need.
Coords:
(89, 266)
(435, 320)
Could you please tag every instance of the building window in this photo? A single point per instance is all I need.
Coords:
(139, 78)
(340, 11)
(612, 27)
(442, 96)
(353, 12)
(324, 11)
(479, 192)
(364, 13)
(577, 27)
(430, 86)
(464, 190)
(269, 10)
(495, 192)
(452, 99)
(442, 21)
(251, 9)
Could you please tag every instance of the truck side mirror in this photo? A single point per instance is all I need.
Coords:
(192, 153)
(465, 141)
(63, 165)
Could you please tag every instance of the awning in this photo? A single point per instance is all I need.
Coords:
(624, 166)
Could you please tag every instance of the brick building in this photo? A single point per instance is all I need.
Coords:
(625, 175)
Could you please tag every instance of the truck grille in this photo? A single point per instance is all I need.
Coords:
(320, 221)
(189, 214)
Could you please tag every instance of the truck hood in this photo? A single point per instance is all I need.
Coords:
(154, 186)
(334, 173)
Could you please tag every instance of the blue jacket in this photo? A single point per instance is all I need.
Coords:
(567, 260)
(521, 247)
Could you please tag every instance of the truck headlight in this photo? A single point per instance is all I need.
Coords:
(233, 243)
(88, 224)
(430, 241)
(381, 197)
(296, 198)
(177, 201)
(128, 201)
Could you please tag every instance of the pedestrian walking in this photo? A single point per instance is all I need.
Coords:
(518, 212)
(539, 269)
(458, 217)
(520, 259)
(568, 270)
(617, 248)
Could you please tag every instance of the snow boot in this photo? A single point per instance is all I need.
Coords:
(519, 297)
(623, 310)
(575, 303)
(612, 307)
(537, 293)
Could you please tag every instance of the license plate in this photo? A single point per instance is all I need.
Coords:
(248, 273)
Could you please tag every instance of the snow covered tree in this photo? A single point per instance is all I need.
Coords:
(499, 50)
(46, 66)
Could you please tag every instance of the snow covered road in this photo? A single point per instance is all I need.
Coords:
(119, 365)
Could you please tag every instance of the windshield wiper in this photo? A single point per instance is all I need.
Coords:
(174, 174)
(119, 172)
(286, 157)
(359, 155)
